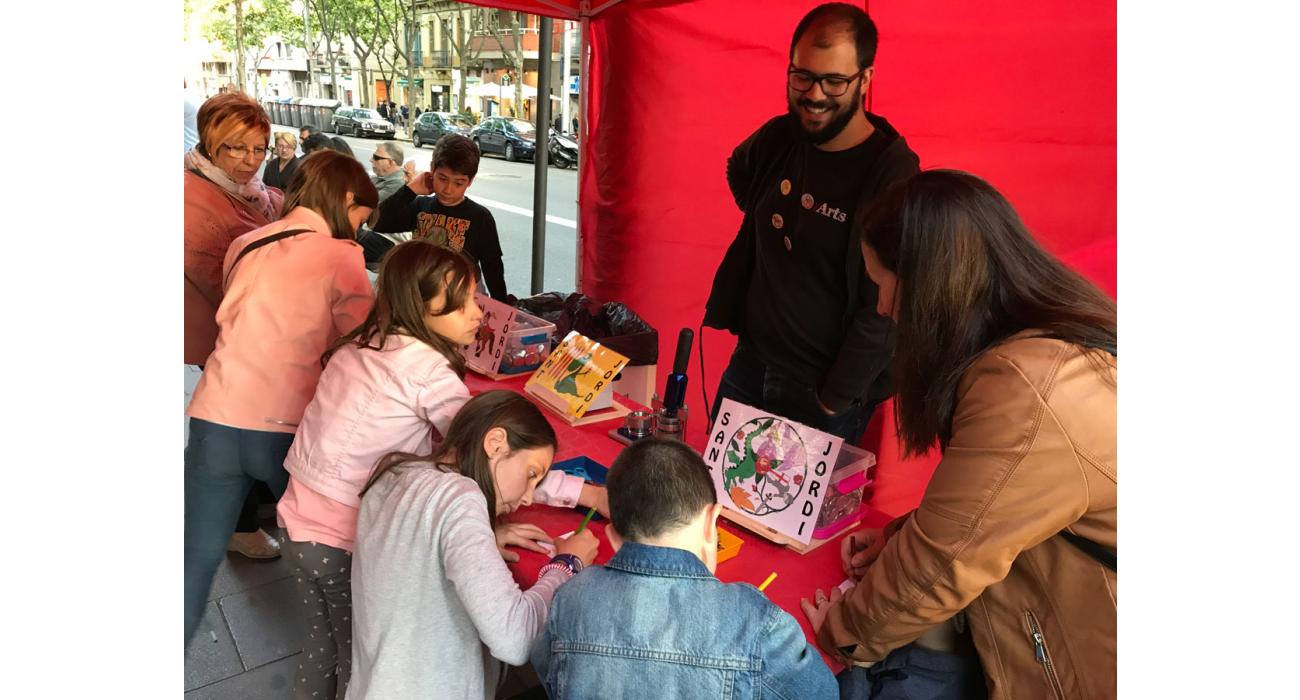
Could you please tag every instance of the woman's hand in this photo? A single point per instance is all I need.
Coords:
(524, 535)
(582, 545)
(816, 614)
(595, 496)
(859, 550)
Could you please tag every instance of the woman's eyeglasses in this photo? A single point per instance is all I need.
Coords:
(241, 151)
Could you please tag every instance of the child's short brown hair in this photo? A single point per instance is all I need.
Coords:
(457, 154)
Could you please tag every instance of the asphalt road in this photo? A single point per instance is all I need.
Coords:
(507, 190)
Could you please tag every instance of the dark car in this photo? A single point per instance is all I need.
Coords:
(361, 121)
(432, 126)
(512, 138)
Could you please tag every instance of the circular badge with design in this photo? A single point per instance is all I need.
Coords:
(806, 201)
(785, 187)
(777, 221)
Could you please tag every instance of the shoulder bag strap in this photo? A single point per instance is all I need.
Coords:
(258, 244)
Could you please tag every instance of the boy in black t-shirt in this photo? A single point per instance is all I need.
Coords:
(448, 217)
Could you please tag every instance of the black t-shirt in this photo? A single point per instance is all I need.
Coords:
(795, 305)
(467, 228)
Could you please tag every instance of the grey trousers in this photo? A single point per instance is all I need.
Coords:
(323, 579)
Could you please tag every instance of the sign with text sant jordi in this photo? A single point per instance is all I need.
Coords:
(769, 469)
(484, 354)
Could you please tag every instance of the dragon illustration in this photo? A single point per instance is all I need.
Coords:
(748, 466)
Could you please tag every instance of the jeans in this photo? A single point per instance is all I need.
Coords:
(221, 466)
(750, 381)
(913, 673)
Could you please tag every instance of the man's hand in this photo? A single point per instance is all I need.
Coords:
(859, 550)
(524, 535)
(816, 614)
(421, 183)
(823, 407)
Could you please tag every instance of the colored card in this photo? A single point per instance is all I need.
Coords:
(771, 469)
(484, 354)
(577, 372)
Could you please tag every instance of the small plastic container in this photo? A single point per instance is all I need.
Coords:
(728, 545)
(854, 469)
(528, 344)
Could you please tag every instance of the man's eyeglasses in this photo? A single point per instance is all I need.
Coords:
(833, 85)
(241, 151)
(376, 157)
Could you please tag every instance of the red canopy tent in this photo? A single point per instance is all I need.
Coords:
(1020, 93)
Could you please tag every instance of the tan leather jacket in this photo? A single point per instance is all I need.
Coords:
(1032, 453)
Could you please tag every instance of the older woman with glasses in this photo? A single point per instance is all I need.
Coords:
(224, 199)
(281, 168)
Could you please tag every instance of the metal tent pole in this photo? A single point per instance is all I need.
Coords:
(540, 155)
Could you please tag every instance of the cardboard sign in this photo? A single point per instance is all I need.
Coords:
(484, 354)
(577, 374)
(769, 469)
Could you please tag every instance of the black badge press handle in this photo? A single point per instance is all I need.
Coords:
(675, 392)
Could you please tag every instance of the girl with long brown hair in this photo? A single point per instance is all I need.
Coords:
(391, 384)
(290, 288)
(436, 610)
(1007, 360)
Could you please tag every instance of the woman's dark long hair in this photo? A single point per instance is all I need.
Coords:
(969, 277)
(412, 274)
(462, 450)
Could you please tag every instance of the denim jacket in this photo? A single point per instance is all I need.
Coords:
(654, 623)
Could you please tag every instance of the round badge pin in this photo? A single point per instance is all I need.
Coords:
(788, 245)
(777, 221)
(806, 201)
(785, 187)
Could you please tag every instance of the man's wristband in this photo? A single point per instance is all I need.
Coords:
(562, 562)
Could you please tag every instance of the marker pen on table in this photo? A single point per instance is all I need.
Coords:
(585, 520)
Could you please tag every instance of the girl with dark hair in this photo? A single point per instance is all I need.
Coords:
(437, 611)
(290, 288)
(391, 384)
(1006, 359)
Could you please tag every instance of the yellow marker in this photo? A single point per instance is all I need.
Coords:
(768, 581)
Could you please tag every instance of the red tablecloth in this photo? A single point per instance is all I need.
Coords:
(798, 575)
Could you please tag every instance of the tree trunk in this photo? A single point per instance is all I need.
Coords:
(239, 44)
(410, 64)
(519, 65)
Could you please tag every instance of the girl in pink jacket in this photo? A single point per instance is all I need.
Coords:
(392, 385)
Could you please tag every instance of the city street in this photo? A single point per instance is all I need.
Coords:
(506, 189)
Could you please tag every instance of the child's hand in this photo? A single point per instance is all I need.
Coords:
(421, 183)
(524, 535)
(582, 545)
(859, 550)
(595, 496)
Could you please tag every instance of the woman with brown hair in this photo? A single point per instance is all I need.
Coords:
(1006, 359)
(291, 288)
(224, 200)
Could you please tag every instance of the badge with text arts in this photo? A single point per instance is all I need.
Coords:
(577, 372)
(484, 354)
(769, 468)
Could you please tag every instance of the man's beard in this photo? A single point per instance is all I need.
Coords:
(841, 115)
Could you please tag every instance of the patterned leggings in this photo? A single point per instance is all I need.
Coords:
(324, 583)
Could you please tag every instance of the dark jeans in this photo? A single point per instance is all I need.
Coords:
(221, 466)
(913, 673)
(750, 381)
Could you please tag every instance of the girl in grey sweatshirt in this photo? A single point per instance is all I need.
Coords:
(436, 611)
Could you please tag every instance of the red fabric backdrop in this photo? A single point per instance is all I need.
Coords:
(1020, 93)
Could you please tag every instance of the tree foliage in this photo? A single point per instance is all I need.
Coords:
(262, 19)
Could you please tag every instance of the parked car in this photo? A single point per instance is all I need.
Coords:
(432, 126)
(512, 138)
(361, 121)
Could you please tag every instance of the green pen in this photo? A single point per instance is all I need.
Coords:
(585, 521)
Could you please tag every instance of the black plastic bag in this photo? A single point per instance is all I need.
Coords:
(613, 324)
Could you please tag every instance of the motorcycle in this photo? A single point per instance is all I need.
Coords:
(562, 150)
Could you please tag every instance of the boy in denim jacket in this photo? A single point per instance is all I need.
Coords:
(654, 621)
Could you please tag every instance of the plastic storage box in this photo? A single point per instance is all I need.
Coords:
(853, 473)
(528, 344)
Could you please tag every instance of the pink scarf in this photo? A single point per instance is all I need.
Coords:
(252, 194)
